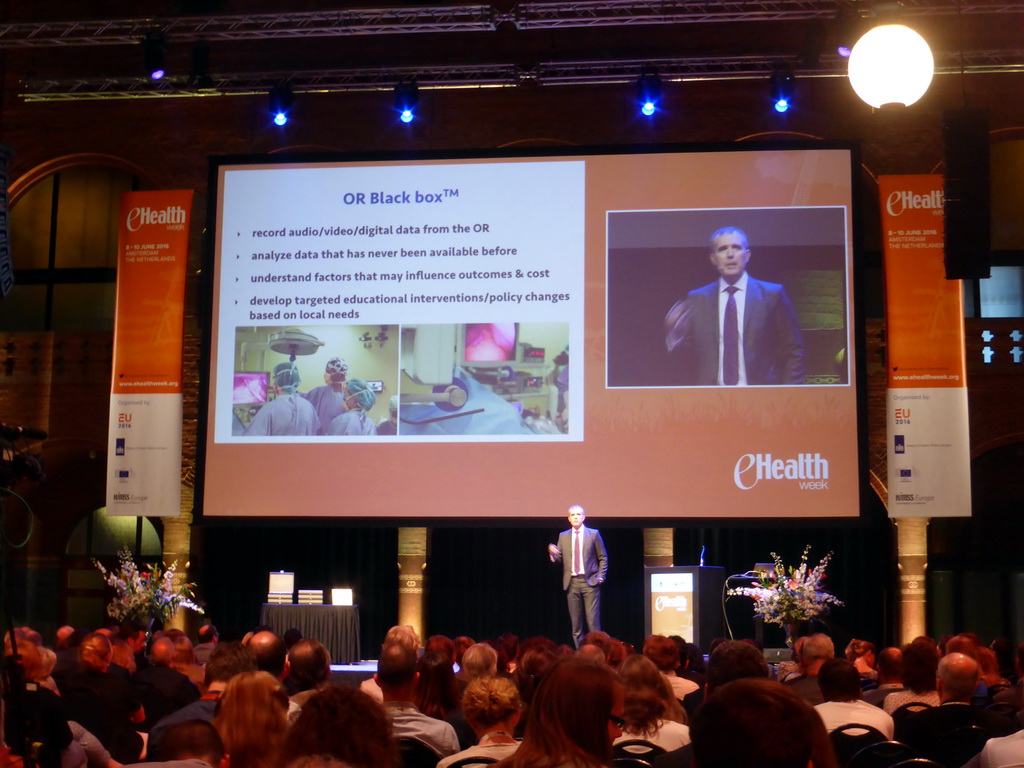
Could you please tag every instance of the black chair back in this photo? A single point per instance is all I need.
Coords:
(417, 754)
(964, 743)
(638, 748)
(919, 762)
(467, 762)
(882, 754)
(851, 738)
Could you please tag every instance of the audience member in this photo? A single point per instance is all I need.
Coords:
(103, 704)
(652, 713)
(402, 634)
(252, 719)
(920, 662)
(185, 661)
(933, 731)
(479, 660)
(574, 718)
(890, 676)
(309, 668)
(665, 655)
(839, 680)
(135, 635)
(816, 650)
(226, 662)
(191, 744)
(1014, 695)
(730, 660)
(41, 719)
(396, 675)
(345, 724)
(161, 688)
(436, 694)
(208, 638)
(759, 723)
(861, 654)
(492, 707)
(510, 644)
(534, 662)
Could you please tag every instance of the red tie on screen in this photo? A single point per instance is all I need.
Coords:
(577, 559)
(731, 341)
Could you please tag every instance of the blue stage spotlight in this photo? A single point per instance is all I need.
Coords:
(154, 46)
(281, 99)
(648, 92)
(782, 88)
(407, 97)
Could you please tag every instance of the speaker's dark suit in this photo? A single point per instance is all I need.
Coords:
(583, 594)
(773, 351)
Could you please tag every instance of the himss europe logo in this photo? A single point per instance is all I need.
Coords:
(808, 470)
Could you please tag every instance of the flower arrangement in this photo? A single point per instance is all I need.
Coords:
(789, 595)
(142, 595)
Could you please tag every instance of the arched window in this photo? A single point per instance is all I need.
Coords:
(63, 235)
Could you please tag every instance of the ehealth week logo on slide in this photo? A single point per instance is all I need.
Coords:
(808, 470)
(173, 217)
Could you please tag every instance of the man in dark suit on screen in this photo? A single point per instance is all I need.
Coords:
(584, 569)
(738, 330)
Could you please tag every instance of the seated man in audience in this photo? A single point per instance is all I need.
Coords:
(839, 680)
(161, 688)
(396, 675)
(272, 656)
(933, 731)
(890, 676)
(816, 650)
(730, 660)
(399, 633)
(1000, 752)
(191, 744)
(758, 723)
(208, 638)
(226, 661)
(310, 668)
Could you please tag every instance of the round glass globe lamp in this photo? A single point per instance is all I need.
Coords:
(891, 64)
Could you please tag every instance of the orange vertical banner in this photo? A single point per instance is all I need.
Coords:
(926, 399)
(144, 444)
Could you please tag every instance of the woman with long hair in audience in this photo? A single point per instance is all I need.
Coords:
(576, 714)
(534, 662)
(491, 706)
(345, 724)
(437, 692)
(252, 719)
(652, 713)
(920, 663)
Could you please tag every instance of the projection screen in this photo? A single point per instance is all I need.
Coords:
(499, 336)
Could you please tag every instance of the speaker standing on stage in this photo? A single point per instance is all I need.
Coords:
(584, 569)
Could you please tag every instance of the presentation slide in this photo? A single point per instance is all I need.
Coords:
(652, 335)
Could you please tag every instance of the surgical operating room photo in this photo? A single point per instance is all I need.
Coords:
(322, 381)
(485, 379)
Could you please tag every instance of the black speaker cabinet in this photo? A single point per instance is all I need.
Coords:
(967, 207)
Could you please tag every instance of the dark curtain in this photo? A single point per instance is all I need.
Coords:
(485, 581)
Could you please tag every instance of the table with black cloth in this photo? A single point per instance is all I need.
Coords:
(336, 626)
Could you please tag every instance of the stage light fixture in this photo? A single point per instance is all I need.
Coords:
(154, 46)
(648, 92)
(846, 27)
(782, 88)
(281, 99)
(891, 65)
(407, 97)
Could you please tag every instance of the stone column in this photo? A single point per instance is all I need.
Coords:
(912, 558)
(412, 578)
(658, 547)
(178, 548)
